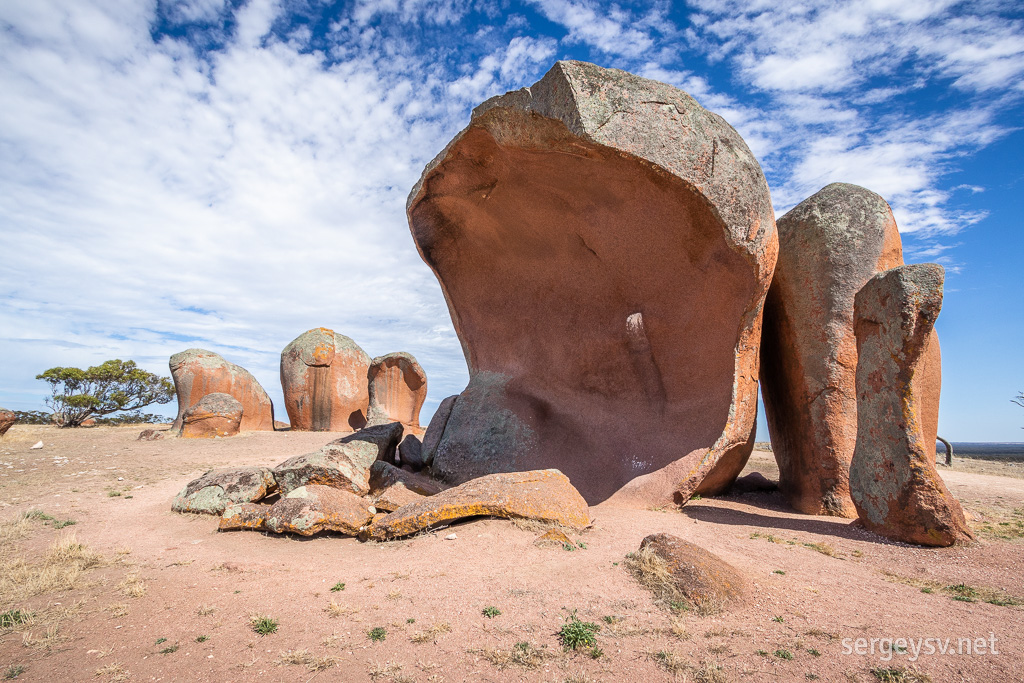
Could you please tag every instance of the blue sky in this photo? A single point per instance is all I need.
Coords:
(229, 174)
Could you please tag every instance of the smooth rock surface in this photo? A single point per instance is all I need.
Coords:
(704, 579)
(544, 495)
(311, 509)
(215, 415)
(215, 490)
(893, 481)
(323, 376)
(410, 452)
(397, 386)
(432, 437)
(604, 245)
(384, 474)
(197, 373)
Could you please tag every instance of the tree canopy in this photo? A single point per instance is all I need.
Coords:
(100, 390)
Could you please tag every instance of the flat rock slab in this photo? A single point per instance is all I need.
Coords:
(215, 415)
(893, 481)
(385, 437)
(544, 495)
(251, 516)
(215, 490)
(384, 475)
(311, 509)
(704, 579)
(394, 497)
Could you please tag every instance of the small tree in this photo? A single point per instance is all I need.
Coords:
(1019, 400)
(103, 389)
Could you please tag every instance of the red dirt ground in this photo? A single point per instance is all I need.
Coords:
(804, 599)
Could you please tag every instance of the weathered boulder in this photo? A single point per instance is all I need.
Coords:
(544, 495)
(432, 437)
(197, 373)
(701, 578)
(323, 375)
(410, 452)
(150, 435)
(215, 490)
(893, 481)
(384, 474)
(394, 497)
(397, 386)
(343, 463)
(604, 245)
(310, 509)
(829, 246)
(244, 516)
(214, 415)
(7, 418)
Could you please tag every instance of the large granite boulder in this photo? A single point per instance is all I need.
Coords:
(311, 509)
(397, 386)
(435, 430)
(7, 418)
(829, 246)
(893, 481)
(546, 496)
(604, 245)
(197, 372)
(216, 489)
(323, 375)
(343, 463)
(213, 416)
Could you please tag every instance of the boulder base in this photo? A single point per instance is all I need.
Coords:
(311, 509)
(215, 415)
(215, 490)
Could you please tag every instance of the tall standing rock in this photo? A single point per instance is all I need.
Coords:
(604, 245)
(829, 246)
(197, 372)
(397, 387)
(323, 375)
(893, 481)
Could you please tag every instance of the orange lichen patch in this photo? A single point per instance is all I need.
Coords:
(310, 509)
(216, 415)
(244, 516)
(544, 495)
(555, 537)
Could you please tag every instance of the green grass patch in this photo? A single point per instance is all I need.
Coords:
(576, 634)
(490, 612)
(377, 634)
(263, 625)
(338, 587)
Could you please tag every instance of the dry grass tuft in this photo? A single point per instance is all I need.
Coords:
(113, 672)
(961, 591)
(669, 661)
(45, 641)
(132, 585)
(307, 659)
(335, 609)
(651, 571)
(206, 610)
(523, 654)
(59, 570)
(390, 669)
(677, 665)
(117, 609)
(430, 635)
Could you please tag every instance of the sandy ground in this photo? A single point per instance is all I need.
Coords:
(166, 580)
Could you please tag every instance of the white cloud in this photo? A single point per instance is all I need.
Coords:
(611, 31)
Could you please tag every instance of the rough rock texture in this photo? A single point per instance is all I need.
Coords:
(410, 452)
(432, 437)
(7, 418)
(604, 245)
(150, 435)
(311, 509)
(394, 497)
(343, 463)
(544, 495)
(397, 386)
(244, 516)
(704, 579)
(197, 373)
(384, 474)
(323, 375)
(893, 481)
(829, 246)
(214, 415)
(217, 489)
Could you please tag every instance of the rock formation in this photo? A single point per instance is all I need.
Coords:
(432, 437)
(215, 490)
(604, 245)
(829, 246)
(7, 418)
(197, 373)
(546, 496)
(397, 386)
(311, 509)
(323, 375)
(214, 415)
(893, 481)
(701, 578)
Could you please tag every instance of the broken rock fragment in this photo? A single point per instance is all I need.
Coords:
(238, 516)
(215, 415)
(310, 509)
(215, 490)
(7, 418)
(702, 578)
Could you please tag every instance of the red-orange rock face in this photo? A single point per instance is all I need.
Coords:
(604, 245)
(323, 375)
(893, 481)
(829, 246)
(197, 373)
(397, 386)
(7, 418)
(216, 415)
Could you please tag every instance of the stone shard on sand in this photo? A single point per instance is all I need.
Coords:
(215, 415)
(215, 490)
(323, 376)
(705, 580)
(604, 245)
(311, 509)
(197, 372)
(544, 495)
(893, 480)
